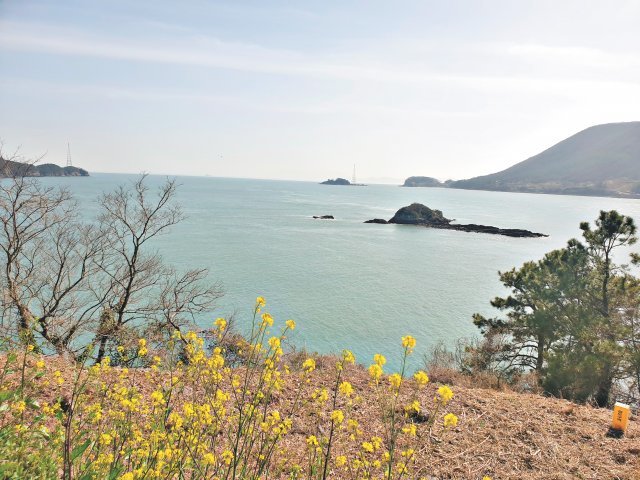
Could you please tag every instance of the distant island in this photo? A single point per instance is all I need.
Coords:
(418, 214)
(603, 160)
(422, 182)
(9, 168)
(342, 181)
(337, 181)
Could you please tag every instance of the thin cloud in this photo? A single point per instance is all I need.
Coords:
(215, 53)
(330, 107)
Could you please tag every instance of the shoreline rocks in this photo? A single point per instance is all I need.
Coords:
(377, 220)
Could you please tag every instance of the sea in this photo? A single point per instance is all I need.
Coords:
(347, 284)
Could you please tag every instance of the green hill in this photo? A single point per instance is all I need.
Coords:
(601, 160)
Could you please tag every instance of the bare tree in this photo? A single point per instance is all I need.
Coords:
(47, 255)
(139, 287)
(70, 284)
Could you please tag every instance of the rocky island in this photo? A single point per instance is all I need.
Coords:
(337, 181)
(418, 214)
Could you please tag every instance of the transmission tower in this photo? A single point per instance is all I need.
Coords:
(69, 156)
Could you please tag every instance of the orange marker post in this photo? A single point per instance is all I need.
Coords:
(621, 414)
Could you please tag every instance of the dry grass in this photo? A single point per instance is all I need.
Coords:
(510, 435)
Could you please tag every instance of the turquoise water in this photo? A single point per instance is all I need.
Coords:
(349, 284)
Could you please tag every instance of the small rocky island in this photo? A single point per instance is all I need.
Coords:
(337, 181)
(418, 214)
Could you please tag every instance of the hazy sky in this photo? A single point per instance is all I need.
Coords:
(303, 90)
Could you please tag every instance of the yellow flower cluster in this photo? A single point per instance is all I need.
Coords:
(445, 394)
(192, 415)
(409, 342)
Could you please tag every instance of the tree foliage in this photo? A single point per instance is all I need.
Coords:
(572, 316)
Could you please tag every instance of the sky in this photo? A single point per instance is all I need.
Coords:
(306, 90)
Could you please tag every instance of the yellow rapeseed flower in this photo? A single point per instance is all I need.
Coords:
(220, 324)
(346, 389)
(260, 302)
(188, 409)
(367, 447)
(40, 364)
(312, 441)
(142, 347)
(291, 325)
(321, 395)
(395, 380)
(348, 356)
(337, 417)
(408, 342)
(157, 397)
(267, 320)
(379, 359)
(274, 343)
(375, 371)
(445, 394)
(414, 406)
(450, 420)
(309, 365)
(341, 460)
(410, 429)
(227, 456)
(421, 378)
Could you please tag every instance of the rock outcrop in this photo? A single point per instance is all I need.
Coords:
(418, 214)
(377, 220)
